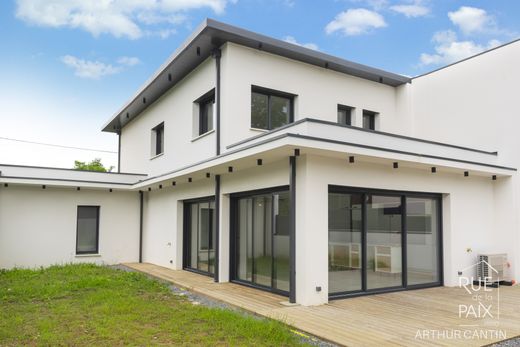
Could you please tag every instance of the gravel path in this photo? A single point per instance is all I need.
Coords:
(197, 299)
(514, 342)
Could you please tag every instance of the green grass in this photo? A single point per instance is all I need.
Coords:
(86, 305)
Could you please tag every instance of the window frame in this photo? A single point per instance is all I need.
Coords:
(205, 99)
(98, 210)
(155, 143)
(372, 115)
(348, 109)
(270, 93)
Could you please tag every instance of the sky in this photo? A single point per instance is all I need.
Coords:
(67, 66)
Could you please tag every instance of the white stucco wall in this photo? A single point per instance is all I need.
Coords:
(318, 90)
(38, 227)
(175, 108)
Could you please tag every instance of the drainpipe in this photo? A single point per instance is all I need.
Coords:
(141, 226)
(216, 54)
(119, 151)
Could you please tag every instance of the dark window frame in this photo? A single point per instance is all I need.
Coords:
(404, 194)
(348, 109)
(270, 93)
(159, 139)
(204, 100)
(98, 208)
(372, 123)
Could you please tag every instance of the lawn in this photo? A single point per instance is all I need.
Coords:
(85, 305)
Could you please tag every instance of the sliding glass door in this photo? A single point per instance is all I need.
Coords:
(374, 235)
(261, 240)
(199, 235)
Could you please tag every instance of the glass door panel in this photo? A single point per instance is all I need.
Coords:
(200, 236)
(384, 239)
(345, 237)
(281, 207)
(262, 234)
(422, 240)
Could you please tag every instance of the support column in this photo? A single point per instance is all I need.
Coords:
(292, 230)
(141, 203)
(217, 227)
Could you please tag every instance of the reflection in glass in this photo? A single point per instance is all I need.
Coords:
(345, 228)
(384, 231)
(422, 240)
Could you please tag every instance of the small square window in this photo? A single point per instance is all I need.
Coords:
(206, 109)
(345, 115)
(158, 139)
(369, 119)
(87, 230)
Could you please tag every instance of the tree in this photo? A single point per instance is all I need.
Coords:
(94, 165)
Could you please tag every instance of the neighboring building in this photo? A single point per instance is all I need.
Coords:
(289, 170)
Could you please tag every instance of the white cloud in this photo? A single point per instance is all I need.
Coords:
(309, 45)
(472, 20)
(355, 22)
(95, 69)
(448, 49)
(128, 61)
(120, 18)
(415, 9)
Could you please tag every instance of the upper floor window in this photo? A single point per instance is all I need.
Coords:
(345, 114)
(158, 139)
(87, 230)
(206, 109)
(270, 109)
(369, 119)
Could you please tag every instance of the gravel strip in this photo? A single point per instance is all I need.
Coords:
(197, 299)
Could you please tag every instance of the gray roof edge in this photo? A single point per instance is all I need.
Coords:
(280, 46)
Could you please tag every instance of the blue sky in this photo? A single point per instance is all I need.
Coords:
(68, 65)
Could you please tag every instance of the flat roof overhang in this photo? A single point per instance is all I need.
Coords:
(212, 34)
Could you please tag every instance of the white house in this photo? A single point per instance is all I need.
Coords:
(253, 160)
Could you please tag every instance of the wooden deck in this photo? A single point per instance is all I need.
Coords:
(393, 319)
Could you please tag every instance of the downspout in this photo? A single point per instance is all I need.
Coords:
(292, 230)
(216, 54)
(217, 226)
(141, 199)
(119, 151)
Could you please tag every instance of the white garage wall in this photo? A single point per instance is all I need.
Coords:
(38, 227)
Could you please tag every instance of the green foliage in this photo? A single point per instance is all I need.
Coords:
(94, 165)
(89, 305)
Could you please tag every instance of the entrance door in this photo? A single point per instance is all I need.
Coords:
(261, 240)
(199, 235)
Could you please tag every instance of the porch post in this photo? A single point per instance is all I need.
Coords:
(292, 230)
(217, 227)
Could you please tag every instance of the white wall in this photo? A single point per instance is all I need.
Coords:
(175, 108)
(319, 91)
(38, 227)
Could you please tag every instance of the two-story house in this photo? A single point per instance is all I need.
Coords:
(253, 160)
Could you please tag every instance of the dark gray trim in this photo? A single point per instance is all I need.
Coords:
(217, 227)
(141, 204)
(64, 169)
(212, 34)
(319, 121)
(118, 151)
(217, 54)
(292, 231)
(65, 180)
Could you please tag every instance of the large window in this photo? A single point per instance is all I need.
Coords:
(380, 240)
(206, 109)
(261, 239)
(270, 109)
(158, 139)
(87, 230)
(199, 235)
